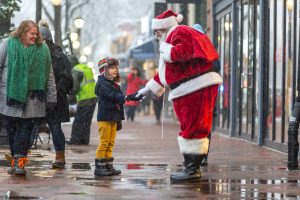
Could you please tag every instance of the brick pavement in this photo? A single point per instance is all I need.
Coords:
(237, 169)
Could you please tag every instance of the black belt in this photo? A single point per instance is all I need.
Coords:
(175, 85)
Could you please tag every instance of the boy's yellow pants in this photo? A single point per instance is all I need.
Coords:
(107, 133)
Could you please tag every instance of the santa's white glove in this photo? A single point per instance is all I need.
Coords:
(144, 91)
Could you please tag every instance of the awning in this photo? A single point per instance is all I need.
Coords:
(144, 51)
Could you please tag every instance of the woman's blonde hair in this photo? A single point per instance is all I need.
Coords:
(23, 28)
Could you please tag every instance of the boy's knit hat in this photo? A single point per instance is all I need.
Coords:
(102, 63)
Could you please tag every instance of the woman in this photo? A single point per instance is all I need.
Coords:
(134, 83)
(25, 87)
(58, 113)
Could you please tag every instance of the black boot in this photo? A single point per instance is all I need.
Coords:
(110, 167)
(204, 161)
(100, 167)
(191, 170)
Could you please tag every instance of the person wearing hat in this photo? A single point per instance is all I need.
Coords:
(25, 88)
(185, 66)
(110, 111)
(83, 94)
(59, 112)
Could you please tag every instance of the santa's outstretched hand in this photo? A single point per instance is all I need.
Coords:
(143, 92)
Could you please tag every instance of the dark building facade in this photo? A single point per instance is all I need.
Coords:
(258, 44)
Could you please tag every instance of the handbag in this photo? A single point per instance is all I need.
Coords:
(119, 125)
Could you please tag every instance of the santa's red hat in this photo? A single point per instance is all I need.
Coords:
(166, 20)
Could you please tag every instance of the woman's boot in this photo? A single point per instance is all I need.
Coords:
(11, 161)
(110, 167)
(191, 169)
(19, 165)
(100, 167)
(59, 162)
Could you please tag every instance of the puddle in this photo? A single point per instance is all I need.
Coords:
(79, 151)
(86, 166)
(77, 193)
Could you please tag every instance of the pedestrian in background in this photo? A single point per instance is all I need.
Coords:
(59, 112)
(26, 84)
(134, 83)
(110, 111)
(83, 93)
(157, 106)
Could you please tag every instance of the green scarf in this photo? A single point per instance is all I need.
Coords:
(28, 71)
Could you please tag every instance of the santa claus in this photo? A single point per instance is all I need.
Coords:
(185, 66)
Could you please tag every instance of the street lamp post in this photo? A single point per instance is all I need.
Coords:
(38, 12)
(57, 21)
(78, 23)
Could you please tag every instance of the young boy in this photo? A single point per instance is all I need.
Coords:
(110, 111)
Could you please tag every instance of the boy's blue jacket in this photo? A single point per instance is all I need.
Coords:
(110, 100)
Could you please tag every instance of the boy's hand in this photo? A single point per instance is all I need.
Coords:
(133, 97)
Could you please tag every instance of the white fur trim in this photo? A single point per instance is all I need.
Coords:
(155, 87)
(193, 146)
(164, 23)
(162, 64)
(179, 18)
(165, 50)
(162, 70)
(200, 82)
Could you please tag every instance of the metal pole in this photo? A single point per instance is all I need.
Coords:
(233, 78)
(67, 17)
(38, 12)
(262, 74)
(57, 25)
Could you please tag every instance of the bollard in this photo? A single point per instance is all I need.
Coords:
(293, 144)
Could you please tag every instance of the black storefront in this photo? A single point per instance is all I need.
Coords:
(258, 43)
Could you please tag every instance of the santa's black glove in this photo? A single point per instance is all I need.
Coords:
(132, 97)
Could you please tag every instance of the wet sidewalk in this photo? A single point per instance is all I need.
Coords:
(236, 169)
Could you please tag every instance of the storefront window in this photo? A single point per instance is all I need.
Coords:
(272, 81)
(244, 75)
(289, 65)
(239, 61)
(224, 49)
(279, 70)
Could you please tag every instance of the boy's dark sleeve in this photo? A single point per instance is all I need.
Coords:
(108, 91)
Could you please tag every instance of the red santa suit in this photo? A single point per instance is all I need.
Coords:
(185, 65)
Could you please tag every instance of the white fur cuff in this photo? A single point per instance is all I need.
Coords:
(155, 87)
(193, 146)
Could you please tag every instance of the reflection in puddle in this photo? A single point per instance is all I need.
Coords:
(13, 195)
(155, 177)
